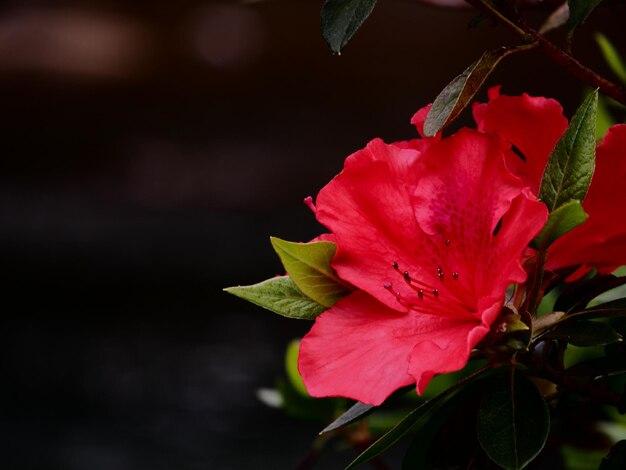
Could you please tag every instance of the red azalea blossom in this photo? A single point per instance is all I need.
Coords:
(533, 125)
(431, 233)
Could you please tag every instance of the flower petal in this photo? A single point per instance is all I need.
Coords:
(361, 349)
(532, 124)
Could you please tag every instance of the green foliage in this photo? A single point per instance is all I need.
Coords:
(579, 10)
(459, 92)
(571, 164)
(308, 265)
(577, 295)
(341, 19)
(612, 56)
(513, 421)
(565, 218)
(408, 423)
(279, 295)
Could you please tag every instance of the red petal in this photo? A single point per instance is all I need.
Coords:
(361, 349)
(532, 124)
(600, 241)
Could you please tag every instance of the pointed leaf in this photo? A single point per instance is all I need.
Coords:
(280, 295)
(567, 217)
(459, 92)
(570, 167)
(579, 10)
(513, 422)
(355, 412)
(341, 19)
(616, 460)
(612, 56)
(308, 265)
(585, 333)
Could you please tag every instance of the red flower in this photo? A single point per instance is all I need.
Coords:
(431, 233)
(534, 125)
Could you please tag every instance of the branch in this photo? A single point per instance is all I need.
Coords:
(553, 52)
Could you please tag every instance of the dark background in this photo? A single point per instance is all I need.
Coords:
(149, 149)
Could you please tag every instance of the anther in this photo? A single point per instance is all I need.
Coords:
(440, 273)
(455, 276)
(420, 294)
(395, 265)
(388, 285)
(435, 292)
(407, 277)
(447, 242)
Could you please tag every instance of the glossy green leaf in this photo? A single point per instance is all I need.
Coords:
(308, 264)
(584, 333)
(280, 295)
(612, 56)
(459, 92)
(565, 218)
(341, 19)
(513, 422)
(579, 10)
(291, 366)
(571, 164)
(616, 459)
(356, 411)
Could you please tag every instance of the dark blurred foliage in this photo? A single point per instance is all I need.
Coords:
(149, 149)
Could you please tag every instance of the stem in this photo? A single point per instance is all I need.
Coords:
(550, 50)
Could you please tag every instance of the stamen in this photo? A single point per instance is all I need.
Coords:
(447, 242)
(435, 292)
(440, 272)
(420, 294)
(455, 275)
(395, 265)
(388, 285)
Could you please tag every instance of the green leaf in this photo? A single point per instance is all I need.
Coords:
(612, 56)
(616, 460)
(417, 454)
(585, 333)
(291, 366)
(355, 412)
(459, 92)
(280, 295)
(579, 10)
(341, 19)
(394, 435)
(513, 422)
(567, 217)
(570, 167)
(308, 264)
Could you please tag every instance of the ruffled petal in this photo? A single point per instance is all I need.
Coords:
(361, 349)
(368, 208)
(600, 242)
(531, 124)
(446, 348)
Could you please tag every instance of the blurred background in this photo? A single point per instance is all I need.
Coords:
(149, 149)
